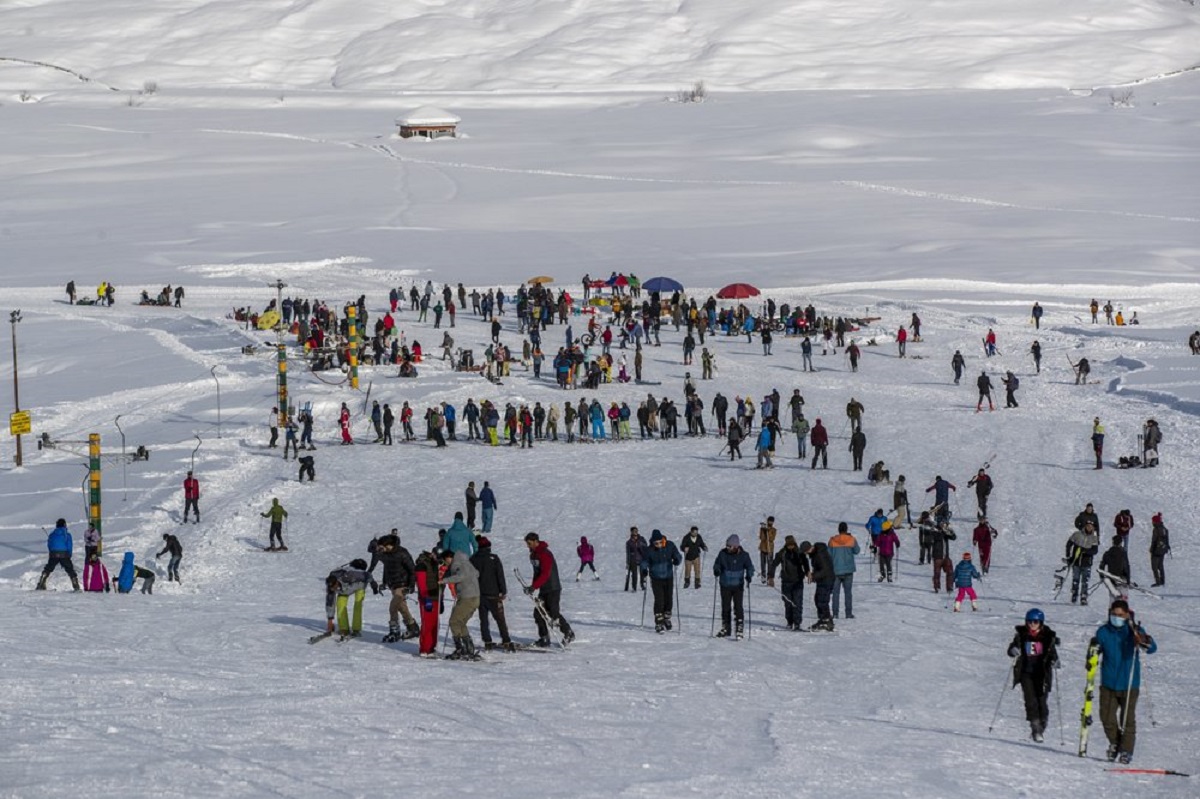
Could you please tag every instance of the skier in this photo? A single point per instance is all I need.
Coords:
(964, 572)
(1036, 351)
(766, 545)
(1160, 546)
(1082, 370)
(1114, 565)
(1098, 442)
(1120, 678)
(734, 438)
(95, 575)
(989, 343)
(398, 573)
(660, 563)
(734, 570)
(1081, 549)
(191, 497)
(887, 542)
(587, 557)
(306, 425)
(982, 536)
(171, 544)
(487, 499)
(341, 584)
(635, 552)
(276, 514)
(429, 595)
(546, 583)
(821, 574)
(984, 384)
(982, 483)
(59, 545)
(1011, 384)
(858, 445)
(464, 577)
(843, 548)
(958, 363)
(692, 545)
(793, 567)
(1034, 650)
(819, 438)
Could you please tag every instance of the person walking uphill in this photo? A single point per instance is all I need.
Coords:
(546, 582)
(635, 552)
(734, 570)
(463, 575)
(792, 564)
(1034, 650)
(1081, 548)
(1120, 641)
(692, 544)
(59, 544)
(964, 573)
(1160, 546)
(843, 548)
(191, 497)
(171, 544)
(1098, 442)
(487, 499)
(276, 514)
(661, 561)
(984, 384)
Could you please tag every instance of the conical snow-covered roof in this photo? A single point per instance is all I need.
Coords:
(427, 115)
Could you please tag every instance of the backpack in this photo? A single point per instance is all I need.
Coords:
(1014, 383)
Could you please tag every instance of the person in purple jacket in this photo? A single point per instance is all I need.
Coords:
(886, 543)
(587, 557)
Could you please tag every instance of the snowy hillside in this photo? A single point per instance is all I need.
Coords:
(596, 46)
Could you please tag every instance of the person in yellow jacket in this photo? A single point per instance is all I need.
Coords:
(766, 546)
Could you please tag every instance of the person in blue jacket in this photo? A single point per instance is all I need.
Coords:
(1120, 641)
(843, 548)
(874, 526)
(764, 444)
(660, 563)
(487, 500)
(129, 574)
(964, 573)
(734, 570)
(459, 538)
(59, 544)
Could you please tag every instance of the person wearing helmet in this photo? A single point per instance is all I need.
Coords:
(1034, 650)
(964, 573)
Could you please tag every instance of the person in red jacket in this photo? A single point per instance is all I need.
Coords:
(819, 438)
(344, 422)
(191, 497)
(549, 589)
(983, 536)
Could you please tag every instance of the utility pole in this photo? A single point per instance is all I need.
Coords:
(13, 318)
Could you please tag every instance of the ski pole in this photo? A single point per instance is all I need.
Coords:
(446, 635)
(678, 613)
(749, 613)
(642, 623)
(1003, 690)
(713, 630)
(1062, 737)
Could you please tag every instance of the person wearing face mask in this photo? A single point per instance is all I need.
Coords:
(1035, 656)
(1121, 642)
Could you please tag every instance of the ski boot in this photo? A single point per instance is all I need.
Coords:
(412, 631)
(974, 606)
(577, 576)
(1036, 732)
(1111, 754)
(41, 584)
(569, 636)
(659, 625)
(393, 634)
(469, 651)
(687, 582)
(738, 631)
(723, 632)
(1125, 758)
(667, 620)
(459, 650)
(489, 646)
(508, 646)
(542, 642)
(957, 606)
(697, 583)
(75, 584)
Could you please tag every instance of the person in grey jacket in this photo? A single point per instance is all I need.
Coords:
(461, 574)
(1082, 547)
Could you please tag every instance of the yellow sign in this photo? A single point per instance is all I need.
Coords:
(19, 424)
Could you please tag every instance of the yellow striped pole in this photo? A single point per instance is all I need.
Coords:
(94, 515)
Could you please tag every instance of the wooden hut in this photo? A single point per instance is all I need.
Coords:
(428, 122)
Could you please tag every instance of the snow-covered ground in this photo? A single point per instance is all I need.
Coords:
(962, 206)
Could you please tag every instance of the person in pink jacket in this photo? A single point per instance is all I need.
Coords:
(587, 557)
(885, 545)
(95, 575)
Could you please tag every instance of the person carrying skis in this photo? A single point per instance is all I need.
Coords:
(843, 548)
(464, 577)
(1081, 549)
(398, 573)
(549, 587)
(692, 545)
(59, 544)
(587, 558)
(191, 497)
(982, 483)
(989, 343)
(982, 537)
(964, 573)
(660, 563)
(958, 363)
(941, 496)
(276, 514)
(171, 544)
(792, 565)
(1120, 641)
(1160, 545)
(734, 570)
(635, 553)
(1034, 650)
(819, 438)
(984, 384)
(1114, 570)
(821, 575)
(342, 583)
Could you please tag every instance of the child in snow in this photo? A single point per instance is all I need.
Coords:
(963, 574)
(587, 557)
(1034, 653)
(886, 543)
(95, 575)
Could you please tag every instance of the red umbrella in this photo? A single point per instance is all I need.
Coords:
(738, 291)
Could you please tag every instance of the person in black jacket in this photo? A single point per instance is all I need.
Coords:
(1034, 650)
(982, 483)
(398, 576)
(1086, 515)
(492, 592)
(692, 545)
(1114, 568)
(1160, 545)
(793, 567)
(822, 575)
(171, 544)
(635, 551)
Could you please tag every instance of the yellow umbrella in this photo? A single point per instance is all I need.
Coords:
(537, 281)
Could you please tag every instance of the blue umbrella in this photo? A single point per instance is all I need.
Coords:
(662, 284)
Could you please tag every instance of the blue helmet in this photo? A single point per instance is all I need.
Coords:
(1035, 614)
